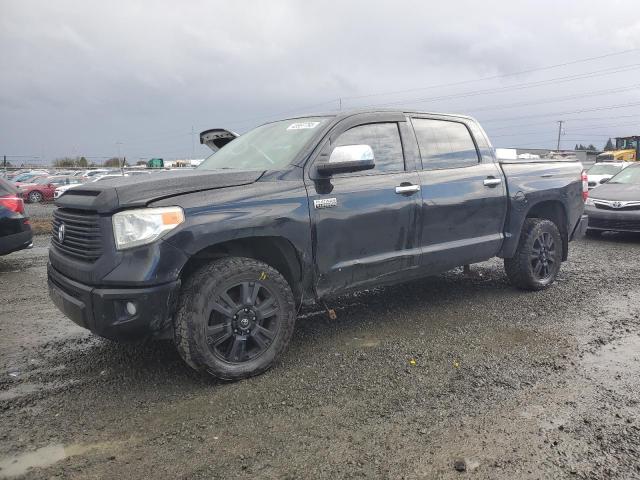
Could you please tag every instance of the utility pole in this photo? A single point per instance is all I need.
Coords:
(120, 162)
(560, 122)
(193, 143)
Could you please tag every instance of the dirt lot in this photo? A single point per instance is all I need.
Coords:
(505, 383)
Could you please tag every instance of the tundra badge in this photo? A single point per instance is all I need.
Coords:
(325, 203)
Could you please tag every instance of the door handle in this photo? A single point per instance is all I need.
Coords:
(492, 182)
(404, 189)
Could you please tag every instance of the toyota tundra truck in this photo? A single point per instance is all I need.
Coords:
(297, 212)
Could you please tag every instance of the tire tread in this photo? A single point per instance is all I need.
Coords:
(187, 310)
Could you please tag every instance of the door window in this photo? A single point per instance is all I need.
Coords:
(444, 144)
(384, 140)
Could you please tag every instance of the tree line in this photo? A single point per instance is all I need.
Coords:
(82, 162)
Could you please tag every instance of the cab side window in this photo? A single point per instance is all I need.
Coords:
(384, 140)
(444, 144)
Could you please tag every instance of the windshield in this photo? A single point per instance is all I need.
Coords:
(26, 176)
(604, 169)
(269, 147)
(628, 175)
(45, 180)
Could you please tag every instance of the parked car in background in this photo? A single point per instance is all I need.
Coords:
(63, 188)
(603, 171)
(11, 174)
(28, 176)
(43, 188)
(615, 205)
(96, 178)
(89, 174)
(15, 231)
(300, 211)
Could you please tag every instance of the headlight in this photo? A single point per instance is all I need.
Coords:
(589, 202)
(132, 228)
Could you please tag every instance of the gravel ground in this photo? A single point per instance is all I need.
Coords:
(40, 210)
(409, 382)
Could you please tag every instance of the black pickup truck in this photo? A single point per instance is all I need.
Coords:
(295, 212)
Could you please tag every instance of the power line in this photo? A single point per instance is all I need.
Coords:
(583, 119)
(338, 100)
(555, 114)
(520, 86)
(594, 93)
(493, 77)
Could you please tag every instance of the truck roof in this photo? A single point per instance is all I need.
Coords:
(348, 113)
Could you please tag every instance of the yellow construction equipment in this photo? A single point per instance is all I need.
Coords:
(627, 150)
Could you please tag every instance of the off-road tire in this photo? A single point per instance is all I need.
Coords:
(194, 309)
(519, 268)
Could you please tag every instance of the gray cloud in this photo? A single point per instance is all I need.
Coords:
(79, 76)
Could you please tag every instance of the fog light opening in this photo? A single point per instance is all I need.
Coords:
(131, 307)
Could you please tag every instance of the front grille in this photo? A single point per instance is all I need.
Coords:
(628, 208)
(607, 224)
(82, 237)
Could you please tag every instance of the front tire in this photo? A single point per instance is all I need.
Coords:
(536, 262)
(235, 316)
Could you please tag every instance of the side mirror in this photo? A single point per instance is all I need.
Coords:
(604, 180)
(346, 159)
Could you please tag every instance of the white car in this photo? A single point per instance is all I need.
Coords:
(60, 190)
(96, 178)
(603, 171)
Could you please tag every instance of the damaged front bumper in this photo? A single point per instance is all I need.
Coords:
(114, 313)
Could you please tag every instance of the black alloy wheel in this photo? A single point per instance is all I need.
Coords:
(243, 322)
(543, 256)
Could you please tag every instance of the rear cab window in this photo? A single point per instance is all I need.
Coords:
(444, 144)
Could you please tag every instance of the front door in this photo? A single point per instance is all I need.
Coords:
(364, 224)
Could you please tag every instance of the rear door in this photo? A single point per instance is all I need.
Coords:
(464, 201)
(364, 224)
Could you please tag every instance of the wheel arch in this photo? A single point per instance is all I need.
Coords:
(556, 212)
(277, 252)
(553, 210)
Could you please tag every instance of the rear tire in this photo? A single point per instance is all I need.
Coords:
(235, 316)
(536, 262)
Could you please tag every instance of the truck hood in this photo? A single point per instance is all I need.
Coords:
(137, 191)
(616, 191)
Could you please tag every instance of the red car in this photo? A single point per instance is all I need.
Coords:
(42, 189)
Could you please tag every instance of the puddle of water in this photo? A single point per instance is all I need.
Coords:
(364, 342)
(20, 390)
(23, 389)
(615, 357)
(45, 457)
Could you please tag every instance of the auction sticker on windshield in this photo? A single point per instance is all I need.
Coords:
(302, 125)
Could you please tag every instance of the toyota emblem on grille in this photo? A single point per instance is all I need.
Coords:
(61, 233)
(616, 204)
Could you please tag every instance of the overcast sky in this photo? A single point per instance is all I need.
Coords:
(78, 77)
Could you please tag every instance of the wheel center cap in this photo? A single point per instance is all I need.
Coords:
(244, 322)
